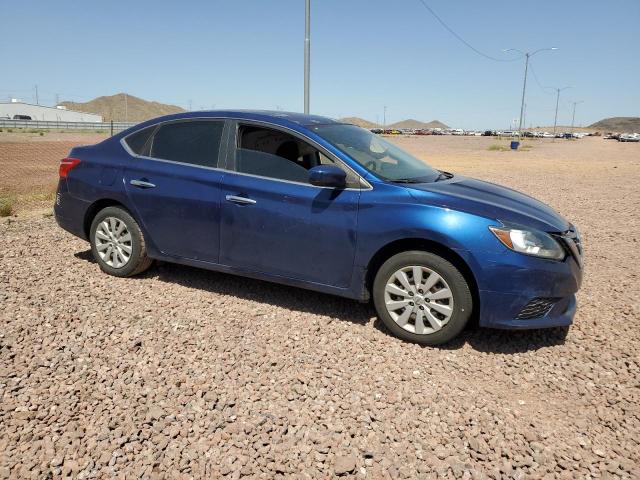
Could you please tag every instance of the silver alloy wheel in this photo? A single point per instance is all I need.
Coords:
(418, 299)
(113, 242)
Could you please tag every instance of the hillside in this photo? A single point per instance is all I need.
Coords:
(409, 123)
(113, 108)
(618, 124)
(416, 124)
(361, 122)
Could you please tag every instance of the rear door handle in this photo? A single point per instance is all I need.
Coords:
(240, 200)
(142, 184)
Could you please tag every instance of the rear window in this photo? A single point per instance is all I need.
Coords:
(196, 142)
(140, 141)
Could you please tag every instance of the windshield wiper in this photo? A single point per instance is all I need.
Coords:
(443, 176)
(407, 180)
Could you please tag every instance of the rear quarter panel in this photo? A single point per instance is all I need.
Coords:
(97, 177)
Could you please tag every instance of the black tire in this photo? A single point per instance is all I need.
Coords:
(462, 299)
(138, 261)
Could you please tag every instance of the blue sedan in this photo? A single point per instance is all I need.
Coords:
(314, 203)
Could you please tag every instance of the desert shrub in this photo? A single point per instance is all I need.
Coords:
(6, 206)
(497, 148)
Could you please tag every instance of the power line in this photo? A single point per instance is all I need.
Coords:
(535, 77)
(452, 32)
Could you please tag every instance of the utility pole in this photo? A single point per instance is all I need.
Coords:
(190, 105)
(126, 109)
(555, 120)
(524, 88)
(57, 99)
(573, 117)
(307, 52)
(527, 55)
(384, 118)
(37, 100)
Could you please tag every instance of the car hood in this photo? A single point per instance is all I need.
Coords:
(491, 201)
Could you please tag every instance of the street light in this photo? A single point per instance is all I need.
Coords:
(573, 117)
(527, 55)
(555, 120)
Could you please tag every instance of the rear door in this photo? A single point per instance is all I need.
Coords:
(173, 182)
(274, 221)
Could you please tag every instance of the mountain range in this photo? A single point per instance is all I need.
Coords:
(125, 107)
(618, 124)
(410, 123)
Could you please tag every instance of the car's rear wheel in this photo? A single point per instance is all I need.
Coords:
(422, 298)
(117, 243)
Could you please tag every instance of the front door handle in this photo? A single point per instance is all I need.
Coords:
(240, 200)
(142, 184)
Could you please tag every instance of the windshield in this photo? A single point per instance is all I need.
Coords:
(380, 157)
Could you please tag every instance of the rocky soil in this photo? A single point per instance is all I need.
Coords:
(183, 373)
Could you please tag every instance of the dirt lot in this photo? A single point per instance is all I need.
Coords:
(189, 374)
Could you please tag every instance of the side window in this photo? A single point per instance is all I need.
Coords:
(274, 154)
(140, 141)
(196, 142)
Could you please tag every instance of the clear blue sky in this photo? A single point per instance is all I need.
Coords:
(365, 54)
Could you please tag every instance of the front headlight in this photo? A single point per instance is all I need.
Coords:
(529, 242)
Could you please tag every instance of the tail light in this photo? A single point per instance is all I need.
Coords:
(66, 165)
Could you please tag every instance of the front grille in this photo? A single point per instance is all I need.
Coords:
(536, 308)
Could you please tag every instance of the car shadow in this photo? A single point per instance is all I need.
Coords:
(308, 301)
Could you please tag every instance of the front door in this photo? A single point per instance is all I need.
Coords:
(273, 221)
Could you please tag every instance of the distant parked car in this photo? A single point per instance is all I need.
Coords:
(488, 133)
(310, 202)
(629, 137)
(377, 130)
(22, 117)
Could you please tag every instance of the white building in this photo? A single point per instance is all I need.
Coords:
(20, 110)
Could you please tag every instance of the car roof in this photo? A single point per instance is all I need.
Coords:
(275, 116)
(287, 119)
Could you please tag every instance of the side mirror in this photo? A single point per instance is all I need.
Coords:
(328, 176)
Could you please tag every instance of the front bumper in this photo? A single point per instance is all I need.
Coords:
(511, 281)
(507, 307)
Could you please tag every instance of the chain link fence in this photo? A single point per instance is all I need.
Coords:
(29, 161)
(11, 125)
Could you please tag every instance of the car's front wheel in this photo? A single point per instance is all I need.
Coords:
(422, 298)
(117, 243)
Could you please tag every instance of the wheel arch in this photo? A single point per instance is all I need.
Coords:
(407, 244)
(95, 208)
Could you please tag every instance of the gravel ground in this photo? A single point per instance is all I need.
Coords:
(185, 373)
